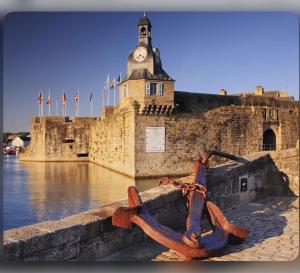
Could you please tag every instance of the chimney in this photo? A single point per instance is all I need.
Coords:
(259, 91)
(222, 92)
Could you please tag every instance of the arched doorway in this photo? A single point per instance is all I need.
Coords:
(269, 140)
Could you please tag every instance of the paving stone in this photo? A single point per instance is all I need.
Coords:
(273, 235)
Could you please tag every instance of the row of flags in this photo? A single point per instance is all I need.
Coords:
(107, 86)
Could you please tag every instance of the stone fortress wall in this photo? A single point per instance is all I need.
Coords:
(58, 139)
(229, 123)
(117, 141)
(112, 141)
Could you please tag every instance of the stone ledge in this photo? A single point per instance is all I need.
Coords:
(90, 235)
(80, 232)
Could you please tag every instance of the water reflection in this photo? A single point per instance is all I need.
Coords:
(39, 191)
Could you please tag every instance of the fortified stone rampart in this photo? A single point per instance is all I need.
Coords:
(236, 124)
(228, 123)
(112, 142)
(90, 235)
(288, 163)
(58, 139)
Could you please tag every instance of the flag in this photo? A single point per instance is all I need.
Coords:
(106, 86)
(40, 98)
(119, 78)
(48, 100)
(76, 97)
(91, 96)
(113, 84)
(64, 98)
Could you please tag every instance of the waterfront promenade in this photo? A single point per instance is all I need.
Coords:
(273, 224)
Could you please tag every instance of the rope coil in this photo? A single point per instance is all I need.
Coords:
(185, 187)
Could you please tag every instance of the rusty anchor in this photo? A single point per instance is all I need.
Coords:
(192, 243)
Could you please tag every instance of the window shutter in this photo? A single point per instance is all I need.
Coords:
(160, 89)
(125, 90)
(147, 88)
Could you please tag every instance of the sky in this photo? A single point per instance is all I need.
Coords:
(203, 52)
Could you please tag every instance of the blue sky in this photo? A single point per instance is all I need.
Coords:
(203, 52)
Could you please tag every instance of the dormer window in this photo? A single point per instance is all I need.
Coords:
(143, 32)
(150, 88)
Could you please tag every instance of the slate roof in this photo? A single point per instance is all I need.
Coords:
(143, 73)
(144, 21)
(25, 138)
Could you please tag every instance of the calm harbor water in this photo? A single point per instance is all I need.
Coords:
(37, 191)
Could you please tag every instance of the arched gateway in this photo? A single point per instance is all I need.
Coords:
(269, 140)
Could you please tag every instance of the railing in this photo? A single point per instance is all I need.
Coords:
(269, 147)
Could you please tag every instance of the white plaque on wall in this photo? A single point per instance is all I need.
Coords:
(155, 139)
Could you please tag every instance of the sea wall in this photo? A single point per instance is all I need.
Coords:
(118, 140)
(112, 141)
(90, 235)
(58, 139)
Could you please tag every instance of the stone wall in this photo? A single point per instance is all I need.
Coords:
(90, 235)
(86, 236)
(235, 124)
(137, 92)
(112, 142)
(58, 139)
(288, 163)
(36, 149)
(235, 129)
(261, 174)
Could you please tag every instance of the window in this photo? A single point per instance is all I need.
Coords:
(160, 89)
(152, 88)
(269, 140)
(243, 184)
(147, 88)
(83, 155)
(143, 32)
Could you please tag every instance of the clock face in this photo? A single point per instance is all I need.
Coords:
(140, 54)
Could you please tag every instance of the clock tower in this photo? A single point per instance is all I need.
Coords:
(146, 83)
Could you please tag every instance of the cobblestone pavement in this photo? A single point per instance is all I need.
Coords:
(273, 225)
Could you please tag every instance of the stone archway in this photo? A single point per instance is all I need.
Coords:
(269, 140)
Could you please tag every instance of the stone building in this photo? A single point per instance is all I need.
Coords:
(156, 131)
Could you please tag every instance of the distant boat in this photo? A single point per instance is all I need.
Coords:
(9, 151)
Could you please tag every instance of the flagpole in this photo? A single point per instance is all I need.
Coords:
(91, 108)
(56, 107)
(42, 106)
(118, 87)
(91, 99)
(114, 94)
(49, 113)
(108, 87)
(78, 103)
(39, 104)
(63, 108)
